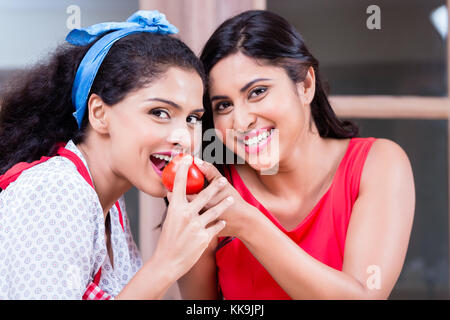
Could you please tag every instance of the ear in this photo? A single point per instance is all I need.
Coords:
(98, 114)
(307, 88)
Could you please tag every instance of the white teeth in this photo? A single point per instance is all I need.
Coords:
(162, 157)
(263, 135)
(258, 138)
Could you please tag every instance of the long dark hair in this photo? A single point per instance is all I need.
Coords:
(36, 110)
(266, 36)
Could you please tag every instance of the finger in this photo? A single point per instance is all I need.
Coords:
(219, 195)
(179, 185)
(191, 197)
(215, 228)
(169, 195)
(215, 212)
(209, 171)
(207, 194)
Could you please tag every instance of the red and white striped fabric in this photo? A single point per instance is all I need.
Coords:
(94, 292)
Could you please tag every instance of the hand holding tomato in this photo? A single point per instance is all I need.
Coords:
(195, 178)
(185, 233)
(237, 216)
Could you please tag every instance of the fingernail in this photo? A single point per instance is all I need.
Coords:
(198, 161)
(230, 199)
(222, 181)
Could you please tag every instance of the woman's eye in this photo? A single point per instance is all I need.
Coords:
(194, 119)
(257, 91)
(160, 113)
(222, 106)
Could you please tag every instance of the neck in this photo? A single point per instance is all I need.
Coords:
(107, 184)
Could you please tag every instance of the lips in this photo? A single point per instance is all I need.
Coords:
(256, 136)
(256, 140)
(161, 159)
(255, 133)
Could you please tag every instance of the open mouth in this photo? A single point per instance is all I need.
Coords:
(160, 160)
(258, 139)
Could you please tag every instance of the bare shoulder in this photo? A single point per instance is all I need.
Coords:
(387, 148)
(386, 161)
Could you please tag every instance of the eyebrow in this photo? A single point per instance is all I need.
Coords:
(248, 85)
(173, 104)
(218, 98)
(243, 89)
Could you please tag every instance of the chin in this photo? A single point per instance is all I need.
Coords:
(265, 169)
(157, 191)
(263, 162)
(152, 187)
(160, 194)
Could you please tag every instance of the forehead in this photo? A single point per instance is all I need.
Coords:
(177, 79)
(185, 87)
(236, 70)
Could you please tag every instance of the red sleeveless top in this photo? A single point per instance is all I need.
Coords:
(321, 234)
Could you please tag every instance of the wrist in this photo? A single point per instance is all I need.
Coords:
(248, 218)
(166, 268)
(255, 227)
(151, 282)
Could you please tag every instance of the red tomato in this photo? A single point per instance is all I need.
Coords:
(195, 178)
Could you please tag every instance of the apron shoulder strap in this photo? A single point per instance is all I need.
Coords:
(14, 172)
(85, 174)
(81, 168)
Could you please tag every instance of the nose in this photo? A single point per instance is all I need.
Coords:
(243, 119)
(181, 139)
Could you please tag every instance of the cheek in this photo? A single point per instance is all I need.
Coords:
(133, 137)
(196, 140)
(123, 125)
(224, 129)
(286, 113)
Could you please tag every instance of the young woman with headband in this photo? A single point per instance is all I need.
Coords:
(333, 218)
(75, 134)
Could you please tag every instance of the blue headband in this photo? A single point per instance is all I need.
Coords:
(141, 21)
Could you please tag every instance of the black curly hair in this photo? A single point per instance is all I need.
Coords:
(36, 108)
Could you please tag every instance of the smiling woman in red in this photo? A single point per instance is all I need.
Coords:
(330, 216)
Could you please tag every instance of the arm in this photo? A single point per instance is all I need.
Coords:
(200, 283)
(135, 255)
(156, 277)
(184, 238)
(377, 237)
